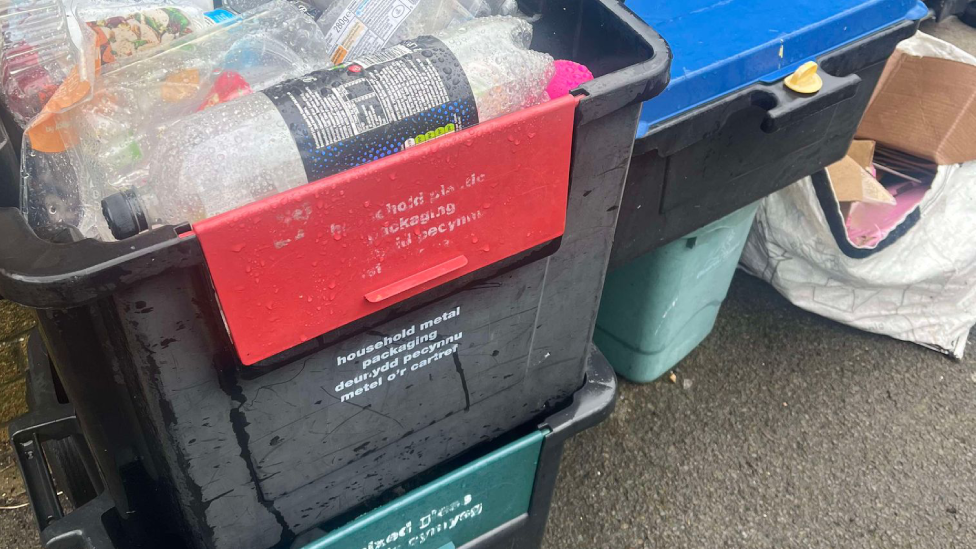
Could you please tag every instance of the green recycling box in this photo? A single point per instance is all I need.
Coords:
(659, 307)
(454, 509)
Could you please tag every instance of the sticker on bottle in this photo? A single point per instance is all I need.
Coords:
(365, 26)
(220, 15)
(350, 115)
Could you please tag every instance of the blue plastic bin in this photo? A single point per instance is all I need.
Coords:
(725, 133)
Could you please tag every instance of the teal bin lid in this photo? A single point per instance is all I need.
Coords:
(721, 46)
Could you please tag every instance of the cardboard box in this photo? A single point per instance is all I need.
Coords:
(926, 106)
(851, 181)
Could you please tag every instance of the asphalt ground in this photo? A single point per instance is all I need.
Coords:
(783, 429)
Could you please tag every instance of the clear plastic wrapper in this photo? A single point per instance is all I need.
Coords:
(45, 42)
(37, 54)
(86, 145)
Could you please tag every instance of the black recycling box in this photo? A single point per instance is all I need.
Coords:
(457, 502)
(226, 441)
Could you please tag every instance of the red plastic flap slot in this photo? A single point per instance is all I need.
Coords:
(307, 261)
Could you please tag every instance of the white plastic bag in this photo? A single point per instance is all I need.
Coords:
(919, 287)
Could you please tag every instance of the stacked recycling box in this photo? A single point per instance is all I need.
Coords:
(222, 418)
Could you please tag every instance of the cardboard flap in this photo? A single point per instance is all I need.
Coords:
(862, 152)
(926, 107)
(852, 183)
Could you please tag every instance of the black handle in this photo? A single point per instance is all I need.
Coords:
(783, 107)
(792, 107)
(43, 274)
(82, 528)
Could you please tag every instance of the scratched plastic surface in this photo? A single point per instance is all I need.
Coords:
(235, 153)
(111, 135)
(720, 46)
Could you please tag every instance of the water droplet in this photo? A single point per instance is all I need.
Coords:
(337, 236)
(531, 135)
(474, 239)
(366, 204)
(486, 248)
(270, 305)
(247, 269)
(332, 296)
(486, 205)
(392, 176)
(332, 285)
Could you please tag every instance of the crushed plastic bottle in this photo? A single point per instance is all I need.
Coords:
(355, 28)
(303, 130)
(75, 153)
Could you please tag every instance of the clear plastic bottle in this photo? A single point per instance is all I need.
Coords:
(265, 143)
(355, 28)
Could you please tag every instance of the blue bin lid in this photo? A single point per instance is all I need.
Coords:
(721, 46)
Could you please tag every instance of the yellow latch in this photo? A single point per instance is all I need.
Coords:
(805, 79)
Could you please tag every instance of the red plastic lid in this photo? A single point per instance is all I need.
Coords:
(307, 261)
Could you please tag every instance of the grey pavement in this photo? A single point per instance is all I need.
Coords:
(783, 429)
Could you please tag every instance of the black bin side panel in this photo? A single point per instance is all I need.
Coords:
(310, 419)
(669, 197)
(176, 363)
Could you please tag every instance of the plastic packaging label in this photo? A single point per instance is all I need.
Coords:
(221, 15)
(367, 26)
(125, 35)
(348, 116)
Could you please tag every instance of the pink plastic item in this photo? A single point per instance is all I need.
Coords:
(569, 75)
(869, 224)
